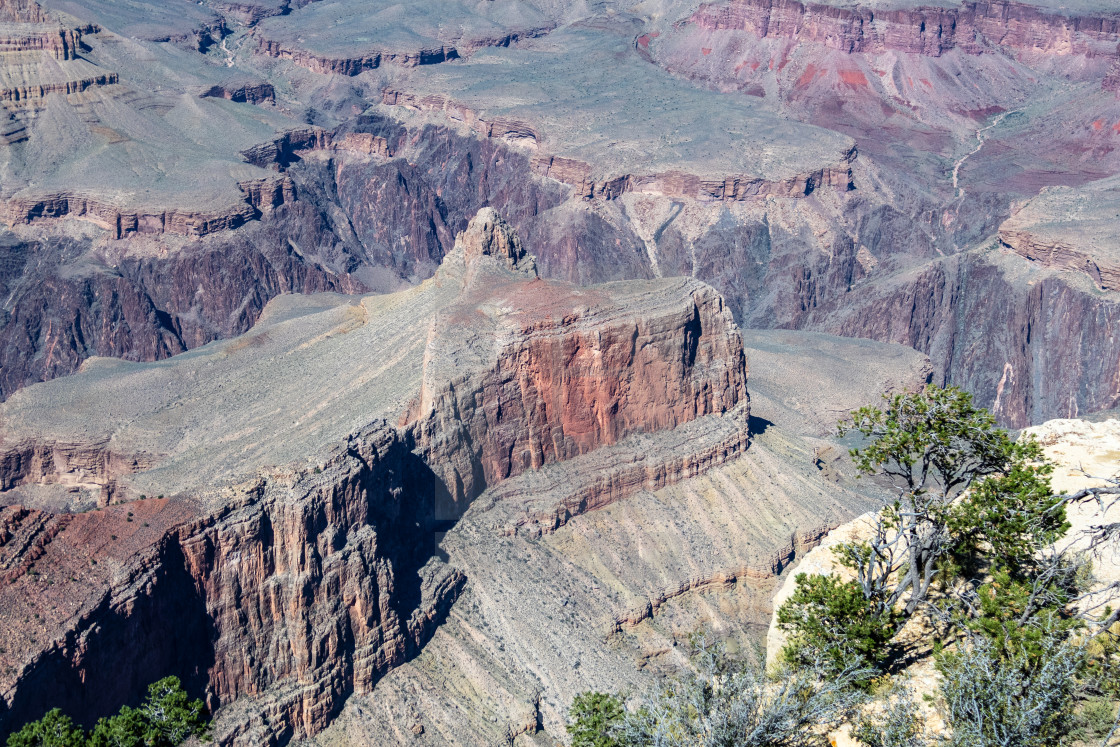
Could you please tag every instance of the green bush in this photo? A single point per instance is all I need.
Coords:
(832, 621)
(167, 717)
(594, 720)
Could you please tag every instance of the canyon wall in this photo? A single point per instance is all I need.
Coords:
(589, 185)
(279, 595)
(571, 373)
(290, 592)
(975, 27)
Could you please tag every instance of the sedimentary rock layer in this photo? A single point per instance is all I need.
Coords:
(1062, 256)
(564, 373)
(302, 585)
(59, 43)
(309, 575)
(582, 176)
(975, 27)
(260, 194)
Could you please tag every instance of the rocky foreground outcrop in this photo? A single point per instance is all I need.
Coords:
(1082, 452)
(298, 566)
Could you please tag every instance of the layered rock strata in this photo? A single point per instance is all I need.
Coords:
(1060, 255)
(298, 568)
(1070, 229)
(325, 65)
(573, 372)
(615, 593)
(974, 27)
(588, 185)
(297, 580)
(260, 195)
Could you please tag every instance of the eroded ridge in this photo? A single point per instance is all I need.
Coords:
(974, 27)
(300, 566)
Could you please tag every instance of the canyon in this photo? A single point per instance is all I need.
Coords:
(421, 366)
(300, 568)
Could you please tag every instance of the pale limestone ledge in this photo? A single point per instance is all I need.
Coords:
(1081, 450)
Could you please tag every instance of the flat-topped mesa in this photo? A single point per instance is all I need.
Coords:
(521, 372)
(589, 185)
(1063, 255)
(1070, 228)
(58, 42)
(351, 38)
(974, 27)
(329, 65)
(260, 195)
(694, 186)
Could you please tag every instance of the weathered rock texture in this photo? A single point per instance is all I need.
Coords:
(1072, 229)
(616, 591)
(424, 33)
(974, 27)
(570, 373)
(304, 581)
(298, 568)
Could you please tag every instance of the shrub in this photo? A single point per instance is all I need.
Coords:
(831, 621)
(1010, 700)
(594, 720)
(53, 730)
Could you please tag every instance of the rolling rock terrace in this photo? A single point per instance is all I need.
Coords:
(391, 373)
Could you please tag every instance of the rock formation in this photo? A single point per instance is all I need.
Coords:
(974, 27)
(298, 569)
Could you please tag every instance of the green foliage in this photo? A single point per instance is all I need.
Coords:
(172, 715)
(832, 621)
(934, 440)
(594, 720)
(53, 730)
(1004, 520)
(128, 728)
(1094, 719)
(167, 718)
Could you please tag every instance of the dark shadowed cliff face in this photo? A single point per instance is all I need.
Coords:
(313, 581)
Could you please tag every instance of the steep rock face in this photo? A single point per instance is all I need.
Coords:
(295, 586)
(295, 589)
(425, 34)
(249, 93)
(974, 27)
(326, 65)
(1046, 347)
(571, 372)
(1058, 254)
(75, 301)
(260, 194)
(21, 11)
(59, 43)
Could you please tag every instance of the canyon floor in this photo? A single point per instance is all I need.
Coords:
(422, 365)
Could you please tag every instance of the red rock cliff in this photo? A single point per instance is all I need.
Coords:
(285, 594)
(974, 27)
(571, 370)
